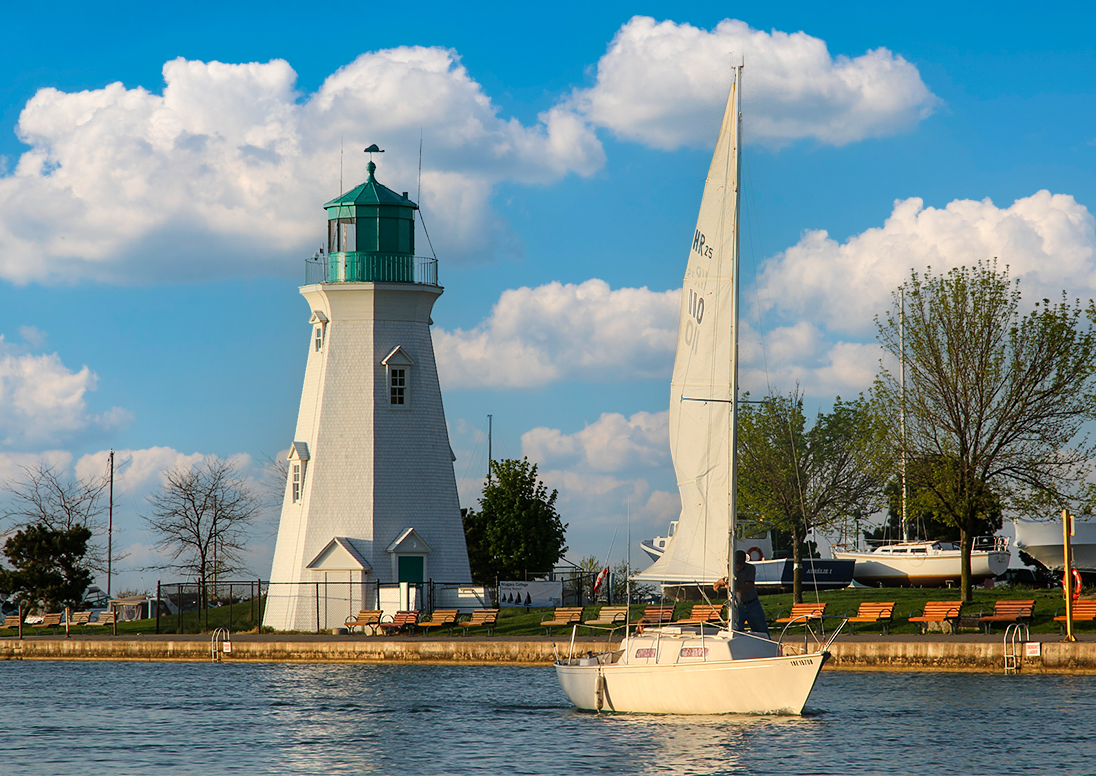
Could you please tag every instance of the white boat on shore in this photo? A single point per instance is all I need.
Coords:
(697, 669)
(927, 564)
(1043, 541)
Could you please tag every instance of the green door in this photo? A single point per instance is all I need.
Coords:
(411, 569)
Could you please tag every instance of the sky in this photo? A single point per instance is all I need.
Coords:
(162, 176)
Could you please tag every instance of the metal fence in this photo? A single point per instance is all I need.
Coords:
(195, 607)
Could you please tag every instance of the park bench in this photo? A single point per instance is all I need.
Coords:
(938, 611)
(563, 615)
(366, 618)
(105, 618)
(802, 614)
(659, 614)
(403, 620)
(1009, 611)
(481, 618)
(440, 618)
(11, 622)
(703, 613)
(1081, 611)
(81, 619)
(609, 616)
(52, 620)
(871, 612)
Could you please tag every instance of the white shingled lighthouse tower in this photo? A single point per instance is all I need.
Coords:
(371, 495)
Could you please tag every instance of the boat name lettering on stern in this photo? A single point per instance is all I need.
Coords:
(801, 662)
(645, 652)
(694, 652)
(700, 247)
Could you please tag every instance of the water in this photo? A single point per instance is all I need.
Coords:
(63, 718)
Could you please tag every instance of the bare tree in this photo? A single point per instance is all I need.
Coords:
(994, 401)
(201, 518)
(48, 497)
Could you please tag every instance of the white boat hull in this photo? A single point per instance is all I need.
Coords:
(930, 570)
(669, 684)
(1043, 541)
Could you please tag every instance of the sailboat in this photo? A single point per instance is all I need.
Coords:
(701, 669)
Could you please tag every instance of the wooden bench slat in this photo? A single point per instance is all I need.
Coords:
(703, 613)
(609, 615)
(806, 611)
(482, 618)
(874, 612)
(563, 615)
(1008, 611)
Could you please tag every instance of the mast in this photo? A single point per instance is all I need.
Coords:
(733, 480)
(489, 459)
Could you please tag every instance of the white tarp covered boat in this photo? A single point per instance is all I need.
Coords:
(698, 669)
(1043, 541)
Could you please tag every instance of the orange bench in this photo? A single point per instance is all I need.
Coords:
(481, 618)
(610, 616)
(406, 619)
(938, 611)
(563, 615)
(1009, 611)
(658, 614)
(440, 618)
(1082, 611)
(802, 614)
(874, 612)
(366, 618)
(703, 613)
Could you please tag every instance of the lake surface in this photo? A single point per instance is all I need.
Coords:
(63, 718)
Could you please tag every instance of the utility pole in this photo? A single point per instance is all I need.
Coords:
(110, 523)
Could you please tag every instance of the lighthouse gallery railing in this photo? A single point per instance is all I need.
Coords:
(360, 267)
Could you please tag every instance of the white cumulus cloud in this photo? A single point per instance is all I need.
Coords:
(224, 172)
(1047, 240)
(43, 401)
(665, 84)
(536, 336)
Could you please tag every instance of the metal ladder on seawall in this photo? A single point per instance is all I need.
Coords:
(1015, 635)
(222, 638)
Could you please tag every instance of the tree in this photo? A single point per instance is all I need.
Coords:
(45, 496)
(201, 517)
(49, 570)
(793, 479)
(994, 400)
(517, 528)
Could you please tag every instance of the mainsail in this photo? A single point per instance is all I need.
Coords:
(703, 387)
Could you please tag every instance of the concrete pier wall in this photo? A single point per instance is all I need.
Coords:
(886, 653)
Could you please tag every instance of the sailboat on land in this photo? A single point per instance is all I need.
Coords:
(701, 669)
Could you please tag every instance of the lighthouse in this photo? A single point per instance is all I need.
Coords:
(370, 511)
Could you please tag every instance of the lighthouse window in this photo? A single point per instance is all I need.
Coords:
(397, 385)
(296, 482)
(319, 338)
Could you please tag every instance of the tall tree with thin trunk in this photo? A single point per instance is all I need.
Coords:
(201, 518)
(796, 478)
(995, 399)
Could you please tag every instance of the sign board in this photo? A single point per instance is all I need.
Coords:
(227, 646)
(1032, 648)
(531, 593)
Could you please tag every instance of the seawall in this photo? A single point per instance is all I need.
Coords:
(855, 653)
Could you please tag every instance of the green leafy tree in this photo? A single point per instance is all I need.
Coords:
(516, 529)
(49, 567)
(793, 478)
(994, 399)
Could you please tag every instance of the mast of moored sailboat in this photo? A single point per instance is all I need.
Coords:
(733, 481)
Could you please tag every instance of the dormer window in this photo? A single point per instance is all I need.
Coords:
(399, 365)
(298, 463)
(296, 482)
(319, 329)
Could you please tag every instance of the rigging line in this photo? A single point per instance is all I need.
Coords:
(468, 466)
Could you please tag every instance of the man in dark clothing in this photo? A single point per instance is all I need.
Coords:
(745, 594)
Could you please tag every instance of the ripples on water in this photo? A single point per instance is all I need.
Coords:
(65, 718)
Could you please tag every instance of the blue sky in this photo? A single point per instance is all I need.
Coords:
(156, 207)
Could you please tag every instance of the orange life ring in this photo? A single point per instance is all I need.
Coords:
(750, 554)
(1076, 592)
